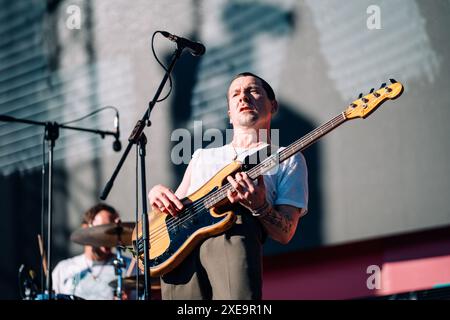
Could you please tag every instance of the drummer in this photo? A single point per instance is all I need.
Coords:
(88, 275)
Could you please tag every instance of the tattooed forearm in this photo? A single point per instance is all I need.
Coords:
(279, 220)
(279, 225)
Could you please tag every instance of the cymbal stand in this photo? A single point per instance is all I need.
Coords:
(119, 264)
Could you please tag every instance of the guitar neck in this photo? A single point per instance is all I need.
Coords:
(311, 137)
(279, 157)
(297, 146)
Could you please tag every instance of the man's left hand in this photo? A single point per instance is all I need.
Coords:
(246, 192)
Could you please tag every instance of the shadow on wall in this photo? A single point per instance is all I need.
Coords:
(293, 125)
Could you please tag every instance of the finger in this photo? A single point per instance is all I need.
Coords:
(239, 184)
(155, 192)
(233, 182)
(245, 182)
(242, 196)
(261, 181)
(174, 199)
(238, 193)
(248, 183)
(157, 205)
(168, 205)
(151, 197)
(244, 189)
(151, 201)
(240, 178)
(230, 196)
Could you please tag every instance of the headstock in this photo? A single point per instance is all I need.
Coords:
(364, 106)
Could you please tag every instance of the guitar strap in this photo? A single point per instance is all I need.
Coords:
(257, 157)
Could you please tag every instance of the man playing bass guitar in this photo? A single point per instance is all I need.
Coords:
(229, 265)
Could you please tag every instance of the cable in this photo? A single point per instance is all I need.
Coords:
(90, 114)
(164, 67)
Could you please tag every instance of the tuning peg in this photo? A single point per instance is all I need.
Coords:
(392, 80)
(383, 85)
(371, 90)
(360, 95)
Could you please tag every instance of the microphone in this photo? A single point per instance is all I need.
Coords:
(117, 146)
(196, 48)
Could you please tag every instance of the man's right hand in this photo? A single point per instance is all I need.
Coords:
(164, 199)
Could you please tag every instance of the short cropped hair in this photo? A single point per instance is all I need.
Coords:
(90, 214)
(266, 86)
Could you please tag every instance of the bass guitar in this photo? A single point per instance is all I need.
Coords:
(207, 211)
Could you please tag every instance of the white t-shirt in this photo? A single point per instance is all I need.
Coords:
(85, 278)
(287, 184)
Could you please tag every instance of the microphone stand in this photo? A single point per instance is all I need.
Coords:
(51, 135)
(138, 137)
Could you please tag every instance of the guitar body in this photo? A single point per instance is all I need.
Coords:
(172, 239)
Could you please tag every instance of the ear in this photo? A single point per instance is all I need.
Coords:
(274, 108)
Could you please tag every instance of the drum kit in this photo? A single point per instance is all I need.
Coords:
(119, 236)
(112, 235)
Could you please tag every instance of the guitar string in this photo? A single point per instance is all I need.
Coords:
(198, 205)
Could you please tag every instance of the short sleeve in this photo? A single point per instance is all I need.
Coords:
(194, 163)
(196, 155)
(292, 183)
(56, 278)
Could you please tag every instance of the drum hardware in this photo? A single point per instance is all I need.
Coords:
(105, 235)
(28, 287)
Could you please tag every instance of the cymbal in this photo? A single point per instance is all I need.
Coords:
(105, 235)
(129, 283)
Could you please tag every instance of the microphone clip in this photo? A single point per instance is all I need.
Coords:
(195, 48)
